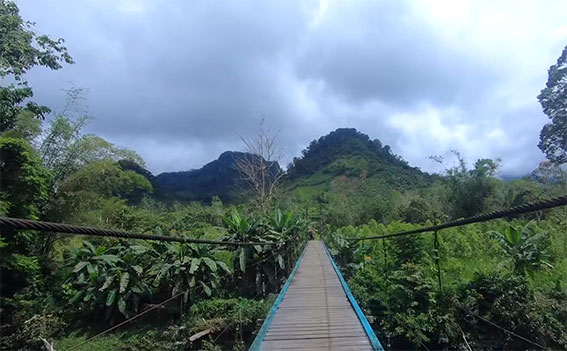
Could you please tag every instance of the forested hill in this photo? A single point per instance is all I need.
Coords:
(217, 178)
(349, 153)
(342, 154)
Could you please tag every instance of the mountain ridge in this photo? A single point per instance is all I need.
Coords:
(219, 177)
(344, 152)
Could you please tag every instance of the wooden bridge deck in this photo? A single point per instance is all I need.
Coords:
(314, 311)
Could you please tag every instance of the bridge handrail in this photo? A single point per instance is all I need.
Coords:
(376, 345)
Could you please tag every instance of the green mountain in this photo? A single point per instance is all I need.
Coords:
(217, 178)
(348, 158)
(343, 161)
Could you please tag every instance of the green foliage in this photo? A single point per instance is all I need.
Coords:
(11, 98)
(264, 266)
(106, 178)
(524, 246)
(237, 311)
(26, 126)
(98, 193)
(110, 279)
(395, 281)
(357, 178)
(238, 316)
(409, 304)
(183, 267)
(20, 50)
(469, 190)
(233, 316)
(341, 142)
(65, 150)
(553, 100)
(508, 301)
(348, 180)
(23, 179)
(241, 229)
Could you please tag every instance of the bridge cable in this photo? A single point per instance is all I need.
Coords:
(507, 331)
(19, 223)
(516, 210)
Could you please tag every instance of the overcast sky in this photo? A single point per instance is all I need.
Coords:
(177, 81)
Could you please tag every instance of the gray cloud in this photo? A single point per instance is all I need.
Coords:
(178, 80)
(382, 54)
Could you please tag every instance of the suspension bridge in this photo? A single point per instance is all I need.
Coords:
(315, 309)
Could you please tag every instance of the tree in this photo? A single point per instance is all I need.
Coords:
(21, 49)
(99, 187)
(260, 167)
(553, 100)
(106, 178)
(65, 149)
(469, 189)
(23, 179)
(24, 185)
(547, 173)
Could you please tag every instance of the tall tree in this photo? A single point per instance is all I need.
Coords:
(553, 99)
(259, 166)
(21, 48)
(24, 180)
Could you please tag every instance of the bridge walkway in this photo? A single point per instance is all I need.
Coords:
(315, 311)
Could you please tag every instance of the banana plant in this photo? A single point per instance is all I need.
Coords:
(524, 247)
(240, 229)
(244, 257)
(182, 267)
(283, 223)
(109, 278)
(283, 230)
(270, 261)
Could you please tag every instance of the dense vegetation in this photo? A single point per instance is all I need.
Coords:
(347, 152)
(68, 288)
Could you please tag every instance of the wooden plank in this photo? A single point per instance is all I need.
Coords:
(315, 313)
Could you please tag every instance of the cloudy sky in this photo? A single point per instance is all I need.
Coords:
(177, 81)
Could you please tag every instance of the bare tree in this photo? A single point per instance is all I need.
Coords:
(260, 166)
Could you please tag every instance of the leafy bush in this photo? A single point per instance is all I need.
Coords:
(109, 279)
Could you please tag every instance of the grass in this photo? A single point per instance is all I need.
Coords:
(310, 191)
(105, 342)
(137, 337)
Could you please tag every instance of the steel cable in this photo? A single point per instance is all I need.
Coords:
(509, 332)
(512, 211)
(18, 223)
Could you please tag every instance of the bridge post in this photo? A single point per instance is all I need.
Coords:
(436, 258)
